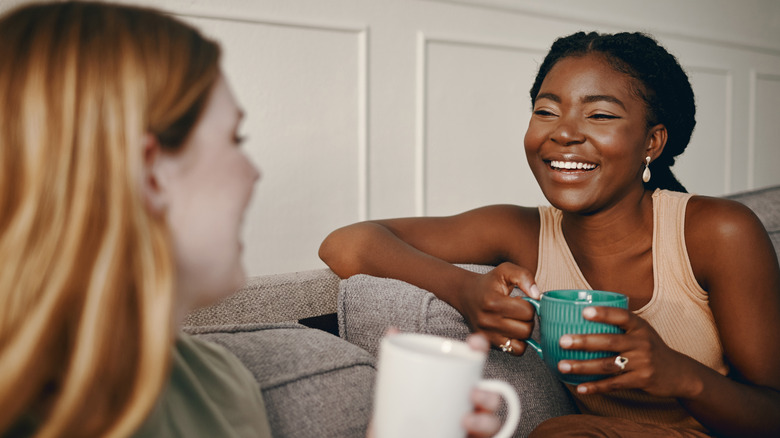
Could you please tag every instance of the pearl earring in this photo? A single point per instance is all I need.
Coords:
(646, 173)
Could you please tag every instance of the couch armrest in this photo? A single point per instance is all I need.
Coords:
(274, 298)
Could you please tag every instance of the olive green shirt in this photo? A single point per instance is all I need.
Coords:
(209, 394)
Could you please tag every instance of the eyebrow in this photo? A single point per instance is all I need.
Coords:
(587, 99)
(603, 98)
(550, 96)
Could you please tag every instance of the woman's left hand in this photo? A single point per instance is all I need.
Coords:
(482, 422)
(651, 365)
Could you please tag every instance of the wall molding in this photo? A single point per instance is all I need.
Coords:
(421, 104)
(755, 77)
(729, 122)
(534, 10)
(361, 32)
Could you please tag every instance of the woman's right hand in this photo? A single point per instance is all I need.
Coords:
(487, 307)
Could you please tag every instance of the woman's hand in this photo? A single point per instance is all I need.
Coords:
(482, 422)
(487, 307)
(651, 365)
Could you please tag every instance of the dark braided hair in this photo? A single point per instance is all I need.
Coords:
(658, 80)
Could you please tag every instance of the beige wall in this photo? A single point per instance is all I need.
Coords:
(373, 108)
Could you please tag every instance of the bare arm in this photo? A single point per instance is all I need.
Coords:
(733, 260)
(741, 272)
(421, 251)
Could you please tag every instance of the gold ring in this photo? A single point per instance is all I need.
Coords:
(506, 347)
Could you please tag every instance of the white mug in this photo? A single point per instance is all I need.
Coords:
(424, 386)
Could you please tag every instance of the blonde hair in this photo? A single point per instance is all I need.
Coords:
(87, 278)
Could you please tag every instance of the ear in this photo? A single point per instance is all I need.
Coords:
(656, 141)
(153, 187)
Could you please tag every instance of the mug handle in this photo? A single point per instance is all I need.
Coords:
(512, 400)
(535, 345)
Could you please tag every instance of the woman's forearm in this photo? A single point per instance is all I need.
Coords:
(373, 249)
(731, 408)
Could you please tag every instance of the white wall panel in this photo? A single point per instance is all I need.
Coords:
(477, 109)
(750, 24)
(303, 86)
(372, 108)
(724, 80)
(704, 167)
(766, 137)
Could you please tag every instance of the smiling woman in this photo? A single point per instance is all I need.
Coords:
(610, 114)
(596, 126)
(657, 80)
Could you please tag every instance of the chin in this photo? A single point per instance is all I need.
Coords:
(570, 200)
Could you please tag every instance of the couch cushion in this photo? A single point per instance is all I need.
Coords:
(314, 384)
(273, 298)
(368, 305)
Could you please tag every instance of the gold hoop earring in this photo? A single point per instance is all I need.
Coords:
(646, 173)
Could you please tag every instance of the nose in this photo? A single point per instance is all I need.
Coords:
(567, 132)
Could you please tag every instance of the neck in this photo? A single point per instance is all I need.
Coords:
(613, 230)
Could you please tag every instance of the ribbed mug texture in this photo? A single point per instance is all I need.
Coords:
(560, 313)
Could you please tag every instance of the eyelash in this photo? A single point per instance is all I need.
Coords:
(599, 116)
(604, 116)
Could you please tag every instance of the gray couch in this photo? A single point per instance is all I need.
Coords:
(317, 384)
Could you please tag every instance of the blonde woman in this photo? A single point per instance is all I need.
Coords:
(122, 192)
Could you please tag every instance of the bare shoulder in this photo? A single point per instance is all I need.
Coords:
(733, 257)
(721, 219)
(720, 232)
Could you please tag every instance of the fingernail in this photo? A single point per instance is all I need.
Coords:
(535, 293)
(469, 422)
(564, 367)
(582, 389)
(566, 341)
(486, 400)
(478, 397)
(480, 424)
(589, 312)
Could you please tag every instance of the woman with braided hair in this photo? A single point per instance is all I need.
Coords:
(699, 355)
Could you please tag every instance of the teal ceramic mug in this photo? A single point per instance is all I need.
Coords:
(560, 313)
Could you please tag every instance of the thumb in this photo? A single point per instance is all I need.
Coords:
(520, 277)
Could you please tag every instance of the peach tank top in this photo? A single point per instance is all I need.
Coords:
(678, 310)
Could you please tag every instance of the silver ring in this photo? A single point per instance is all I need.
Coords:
(506, 347)
(621, 362)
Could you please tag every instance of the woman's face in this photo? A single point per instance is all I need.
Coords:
(587, 138)
(210, 182)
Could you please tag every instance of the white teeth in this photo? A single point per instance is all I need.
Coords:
(571, 165)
